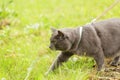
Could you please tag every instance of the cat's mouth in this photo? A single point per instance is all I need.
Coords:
(60, 48)
(54, 48)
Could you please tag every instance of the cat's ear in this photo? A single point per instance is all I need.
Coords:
(60, 33)
(53, 29)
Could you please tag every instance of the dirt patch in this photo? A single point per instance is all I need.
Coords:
(110, 73)
(4, 23)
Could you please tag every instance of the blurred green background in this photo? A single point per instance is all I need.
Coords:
(25, 32)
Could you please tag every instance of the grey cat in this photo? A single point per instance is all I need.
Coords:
(99, 40)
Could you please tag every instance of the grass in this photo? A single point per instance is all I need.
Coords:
(27, 36)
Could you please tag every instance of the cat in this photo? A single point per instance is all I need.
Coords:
(99, 40)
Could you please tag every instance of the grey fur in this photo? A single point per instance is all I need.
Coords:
(100, 40)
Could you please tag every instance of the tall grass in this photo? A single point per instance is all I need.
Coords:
(27, 37)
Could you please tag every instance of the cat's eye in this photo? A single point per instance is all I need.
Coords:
(53, 41)
(61, 38)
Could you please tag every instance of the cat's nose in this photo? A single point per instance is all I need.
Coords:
(52, 47)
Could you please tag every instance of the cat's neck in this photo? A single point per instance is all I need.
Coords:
(77, 36)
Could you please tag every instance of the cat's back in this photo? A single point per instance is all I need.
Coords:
(108, 27)
(109, 34)
(108, 24)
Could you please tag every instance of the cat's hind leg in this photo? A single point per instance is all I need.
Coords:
(115, 61)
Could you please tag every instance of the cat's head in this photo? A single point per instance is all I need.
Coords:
(59, 40)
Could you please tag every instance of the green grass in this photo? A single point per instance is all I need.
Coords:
(28, 36)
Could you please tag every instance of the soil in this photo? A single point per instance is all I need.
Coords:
(110, 73)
